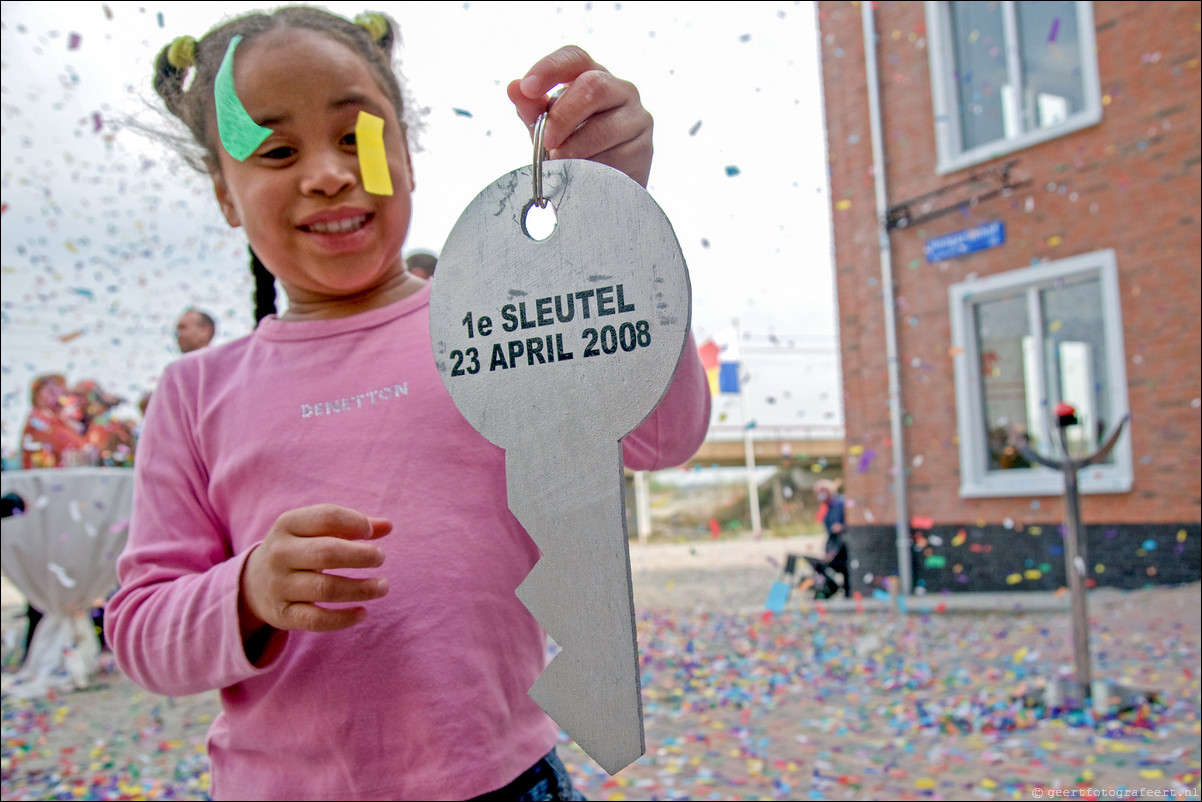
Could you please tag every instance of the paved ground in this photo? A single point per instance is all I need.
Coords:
(840, 700)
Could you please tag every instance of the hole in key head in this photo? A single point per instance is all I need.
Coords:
(538, 223)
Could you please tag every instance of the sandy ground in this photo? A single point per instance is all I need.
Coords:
(821, 701)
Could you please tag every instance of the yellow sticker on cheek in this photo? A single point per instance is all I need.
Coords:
(373, 162)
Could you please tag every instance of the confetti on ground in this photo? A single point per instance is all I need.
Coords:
(924, 707)
(111, 742)
(806, 704)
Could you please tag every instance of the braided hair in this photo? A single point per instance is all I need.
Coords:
(264, 288)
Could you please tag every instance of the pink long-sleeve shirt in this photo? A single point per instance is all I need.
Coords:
(425, 699)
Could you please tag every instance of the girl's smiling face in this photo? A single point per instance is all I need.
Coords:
(335, 248)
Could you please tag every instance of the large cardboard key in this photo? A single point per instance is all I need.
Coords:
(555, 349)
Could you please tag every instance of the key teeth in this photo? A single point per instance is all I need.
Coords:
(603, 730)
(553, 617)
(596, 714)
(543, 542)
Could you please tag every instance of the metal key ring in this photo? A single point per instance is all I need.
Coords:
(540, 153)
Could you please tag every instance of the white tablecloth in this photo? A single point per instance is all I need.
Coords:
(62, 554)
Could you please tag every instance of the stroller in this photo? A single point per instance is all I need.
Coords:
(830, 577)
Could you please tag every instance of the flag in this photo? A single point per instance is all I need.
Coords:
(728, 377)
(708, 352)
(723, 376)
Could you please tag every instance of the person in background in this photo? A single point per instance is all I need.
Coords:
(111, 438)
(12, 504)
(421, 264)
(832, 568)
(51, 437)
(194, 331)
(55, 437)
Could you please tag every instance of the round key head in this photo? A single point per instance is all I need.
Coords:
(578, 333)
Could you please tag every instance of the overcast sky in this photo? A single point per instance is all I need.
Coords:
(107, 238)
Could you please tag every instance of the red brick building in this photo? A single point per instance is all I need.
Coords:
(1032, 238)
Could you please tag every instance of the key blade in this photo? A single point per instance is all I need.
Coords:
(597, 716)
(581, 593)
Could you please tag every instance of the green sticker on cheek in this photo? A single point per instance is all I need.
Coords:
(240, 135)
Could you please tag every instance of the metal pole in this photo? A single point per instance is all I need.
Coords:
(1074, 558)
(642, 506)
(901, 525)
(753, 487)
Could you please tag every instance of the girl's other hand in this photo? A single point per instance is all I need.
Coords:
(284, 579)
(598, 116)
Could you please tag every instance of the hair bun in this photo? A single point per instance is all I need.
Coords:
(181, 53)
(374, 23)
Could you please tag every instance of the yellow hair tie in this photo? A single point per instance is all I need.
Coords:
(181, 53)
(374, 23)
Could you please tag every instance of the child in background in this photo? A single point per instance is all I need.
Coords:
(317, 531)
(110, 439)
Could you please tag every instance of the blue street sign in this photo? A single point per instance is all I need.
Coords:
(970, 240)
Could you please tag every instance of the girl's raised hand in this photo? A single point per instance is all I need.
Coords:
(598, 116)
(284, 579)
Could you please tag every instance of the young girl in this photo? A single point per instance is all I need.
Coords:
(317, 531)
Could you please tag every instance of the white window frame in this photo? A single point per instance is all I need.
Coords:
(948, 151)
(976, 480)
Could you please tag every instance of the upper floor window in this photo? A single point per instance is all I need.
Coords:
(1008, 75)
(1025, 341)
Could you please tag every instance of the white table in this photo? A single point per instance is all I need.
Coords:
(61, 553)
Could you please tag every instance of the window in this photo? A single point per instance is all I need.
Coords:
(1008, 75)
(1025, 341)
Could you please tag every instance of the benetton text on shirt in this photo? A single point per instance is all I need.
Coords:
(354, 402)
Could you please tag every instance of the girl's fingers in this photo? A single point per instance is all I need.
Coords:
(596, 97)
(560, 67)
(598, 116)
(311, 618)
(605, 132)
(288, 597)
(528, 109)
(323, 588)
(328, 553)
(326, 537)
(287, 575)
(583, 96)
(312, 590)
(330, 520)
